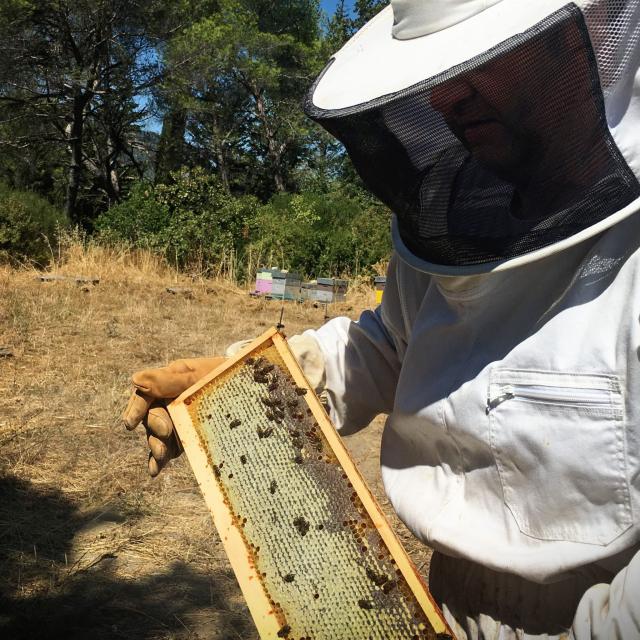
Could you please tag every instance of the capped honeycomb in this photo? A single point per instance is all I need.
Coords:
(312, 552)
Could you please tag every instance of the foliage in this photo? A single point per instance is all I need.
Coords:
(237, 175)
(239, 76)
(190, 220)
(28, 226)
(194, 220)
(322, 234)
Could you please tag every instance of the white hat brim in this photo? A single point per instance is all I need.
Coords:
(374, 64)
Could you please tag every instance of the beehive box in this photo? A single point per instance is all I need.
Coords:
(286, 285)
(264, 282)
(329, 290)
(312, 552)
(380, 282)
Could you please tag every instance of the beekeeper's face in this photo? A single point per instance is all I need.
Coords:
(515, 110)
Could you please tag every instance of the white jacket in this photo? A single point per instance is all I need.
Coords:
(513, 436)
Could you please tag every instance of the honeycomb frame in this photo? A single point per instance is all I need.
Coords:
(284, 612)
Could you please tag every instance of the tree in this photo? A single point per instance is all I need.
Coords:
(74, 64)
(339, 28)
(242, 73)
(364, 10)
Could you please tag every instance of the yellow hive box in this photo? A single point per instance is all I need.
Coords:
(312, 551)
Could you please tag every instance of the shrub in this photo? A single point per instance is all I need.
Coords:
(190, 220)
(322, 234)
(29, 226)
(193, 220)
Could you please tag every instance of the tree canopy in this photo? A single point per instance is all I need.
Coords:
(104, 100)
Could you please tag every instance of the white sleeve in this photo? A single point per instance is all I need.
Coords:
(611, 612)
(361, 369)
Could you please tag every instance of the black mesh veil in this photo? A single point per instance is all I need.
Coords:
(505, 154)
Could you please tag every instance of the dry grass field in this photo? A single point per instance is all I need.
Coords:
(90, 546)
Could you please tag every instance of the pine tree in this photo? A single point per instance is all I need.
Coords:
(364, 10)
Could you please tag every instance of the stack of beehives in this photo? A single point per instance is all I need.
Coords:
(285, 285)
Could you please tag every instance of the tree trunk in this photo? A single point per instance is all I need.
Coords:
(274, 149)
(75, 131)
(171, 146)
(220, 154)
(111, 172)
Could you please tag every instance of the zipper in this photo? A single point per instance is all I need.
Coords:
(555, 395)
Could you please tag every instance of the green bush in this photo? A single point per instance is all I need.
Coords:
(322, 234)
(28, 226)
(194, 220)
(190, 220)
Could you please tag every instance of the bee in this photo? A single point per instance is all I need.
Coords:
(298, 459)
(235, 423)
(377, 578)
(301, 525)
(264, 433)
(249, 361)
(216, 471)
(284, 631)
(292, 403)
(365, 604)
(289, 577)
(243, 459)
(300, 391)
(272, 487)
(389, 586)
(273, 386)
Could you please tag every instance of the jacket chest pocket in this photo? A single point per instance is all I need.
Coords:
(559, 445)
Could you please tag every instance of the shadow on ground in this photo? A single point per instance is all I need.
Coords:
(43, 596)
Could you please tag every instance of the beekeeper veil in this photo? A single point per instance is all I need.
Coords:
(497, 131)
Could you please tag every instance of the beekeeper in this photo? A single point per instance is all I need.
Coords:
(505, 137)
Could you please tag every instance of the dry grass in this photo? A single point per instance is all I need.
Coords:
(89, 545)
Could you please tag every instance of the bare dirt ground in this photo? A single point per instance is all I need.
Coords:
(90, 546)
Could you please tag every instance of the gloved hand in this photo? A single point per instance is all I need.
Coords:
(155, 388)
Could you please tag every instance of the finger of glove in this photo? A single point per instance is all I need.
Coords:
(172, 380)
(159, 422)
(136, 409)
(153, 466)
(160, 452)
(163, 448)
(158, 448)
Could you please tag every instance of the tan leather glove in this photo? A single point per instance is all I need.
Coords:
(153, 390)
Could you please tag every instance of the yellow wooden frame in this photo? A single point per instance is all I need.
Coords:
(266, 619)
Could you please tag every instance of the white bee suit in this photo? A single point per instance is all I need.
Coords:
(505, 137)
(513, 436)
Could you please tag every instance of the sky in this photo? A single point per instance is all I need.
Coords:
(329, 6)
